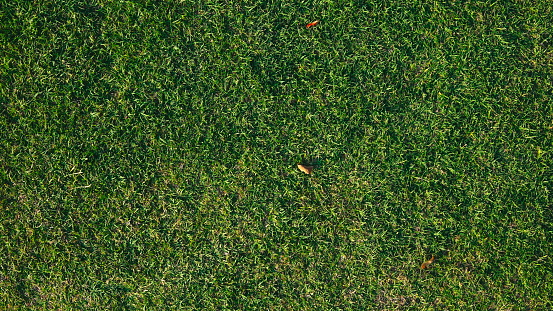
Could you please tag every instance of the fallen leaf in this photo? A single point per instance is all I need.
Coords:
(312, 24)
(427, 263)
(305, 168)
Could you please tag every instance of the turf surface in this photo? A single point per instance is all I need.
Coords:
(149, 151)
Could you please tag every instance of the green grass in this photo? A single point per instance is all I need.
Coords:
(149, 151)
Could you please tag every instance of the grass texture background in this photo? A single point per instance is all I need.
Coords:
(149, 151)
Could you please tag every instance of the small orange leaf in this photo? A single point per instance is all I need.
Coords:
(427, 263)
(306, 169)
(312, 24)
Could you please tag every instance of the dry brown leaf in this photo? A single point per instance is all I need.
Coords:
(305, 168)
(312, 24)
(427, 263)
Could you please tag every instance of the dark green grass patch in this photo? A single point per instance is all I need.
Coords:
(149, 151)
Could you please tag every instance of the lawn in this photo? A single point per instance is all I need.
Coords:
(149, 155)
